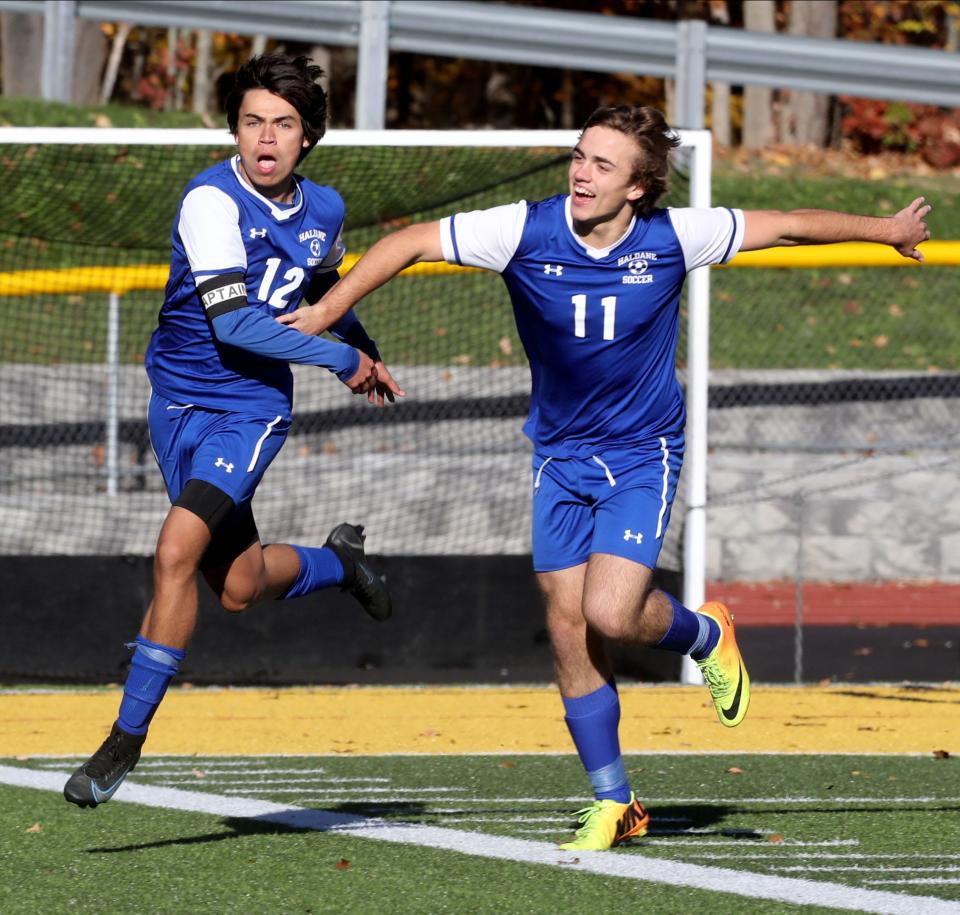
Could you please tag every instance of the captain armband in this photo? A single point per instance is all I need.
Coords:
(223, 293)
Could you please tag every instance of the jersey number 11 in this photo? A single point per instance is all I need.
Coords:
(609, 305)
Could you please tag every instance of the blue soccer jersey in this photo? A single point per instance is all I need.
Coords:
(599, 326)
(223, 227)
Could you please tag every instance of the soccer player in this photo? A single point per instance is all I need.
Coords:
(250, 240)
(595, 277)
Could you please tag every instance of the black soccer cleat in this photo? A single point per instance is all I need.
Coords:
(97, 780)
(359, 578)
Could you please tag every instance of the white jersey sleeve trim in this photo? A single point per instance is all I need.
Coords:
(484, 238)
(707, 236)
(209, 227)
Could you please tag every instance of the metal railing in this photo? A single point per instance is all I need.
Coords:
(690, 52)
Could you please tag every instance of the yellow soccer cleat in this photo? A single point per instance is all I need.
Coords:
(605, 823)
(724, 671)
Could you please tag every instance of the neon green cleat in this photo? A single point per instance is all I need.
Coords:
(605, 823)
(724, 671)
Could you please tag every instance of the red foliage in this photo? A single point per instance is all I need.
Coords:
(874, 125)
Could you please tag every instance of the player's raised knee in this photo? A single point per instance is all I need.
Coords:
(238, 599)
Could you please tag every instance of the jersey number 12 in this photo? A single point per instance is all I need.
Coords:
(609, 305)
(281, 293)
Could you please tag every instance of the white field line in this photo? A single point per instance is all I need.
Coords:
(218, 774)
(925, 881)
(793, 890)
(339, 793)
(826, 855)
(558, 821)
(900, 869)
(318, 780)
(801, 800)
(777, 850)
(789, 843)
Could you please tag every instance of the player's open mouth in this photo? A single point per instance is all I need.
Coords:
(266, 165)
(581, 194)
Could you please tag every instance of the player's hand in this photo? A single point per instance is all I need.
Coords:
(910, 228)
(308, 319)
(364, 379)
(386, 386)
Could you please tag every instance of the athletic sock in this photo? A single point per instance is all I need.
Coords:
(689, 633)
(152, 668)
(320, 568)
(593, 721)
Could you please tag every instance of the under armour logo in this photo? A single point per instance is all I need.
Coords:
(220, 462)
(258, 233)
(630, 535)
(553, 269)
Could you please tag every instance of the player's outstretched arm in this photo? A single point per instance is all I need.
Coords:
(383, 261)
(774, 228)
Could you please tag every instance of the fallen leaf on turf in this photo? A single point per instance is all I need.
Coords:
(507, 765)
(35, 828)
(198, 773)
(735, 770)
(343, 865)
(941, 754)
(855, 772)
(775, 840)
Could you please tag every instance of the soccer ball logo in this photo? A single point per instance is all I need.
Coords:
(637, 267)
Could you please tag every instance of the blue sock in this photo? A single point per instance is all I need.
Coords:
(319, 568)
(593, 721)
(152, 668)
(690, 633)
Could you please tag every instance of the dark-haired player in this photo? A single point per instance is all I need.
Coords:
(595, 278)
(251, 239)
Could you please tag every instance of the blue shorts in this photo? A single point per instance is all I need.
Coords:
(617, 501)
(230, 450)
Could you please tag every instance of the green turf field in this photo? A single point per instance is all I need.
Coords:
(744, 833)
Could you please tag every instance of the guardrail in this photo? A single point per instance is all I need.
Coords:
(690, 52)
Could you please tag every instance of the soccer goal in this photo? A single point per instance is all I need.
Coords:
(84, 243)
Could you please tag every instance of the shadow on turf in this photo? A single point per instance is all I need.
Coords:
(679, 820)
(238, 829)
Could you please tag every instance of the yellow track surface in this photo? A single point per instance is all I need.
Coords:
(373, 720)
